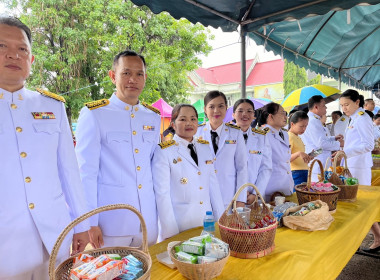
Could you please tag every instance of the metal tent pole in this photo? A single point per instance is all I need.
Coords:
(243, 63)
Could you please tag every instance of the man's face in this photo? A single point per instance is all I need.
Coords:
(369, 105)
(129, 77)
(321, 108)
(15, 57)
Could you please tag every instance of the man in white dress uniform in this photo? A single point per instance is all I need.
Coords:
(40, 187)
(116, 139)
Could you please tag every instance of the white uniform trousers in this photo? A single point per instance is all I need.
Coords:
(364, 175)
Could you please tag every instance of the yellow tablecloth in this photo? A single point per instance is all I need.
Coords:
(375, 181)
(298, 254)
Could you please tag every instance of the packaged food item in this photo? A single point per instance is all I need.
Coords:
(193, 247)
(185, 257)
(351, 181)
(81, 259)
(109, 270)
(216, 250)
(205, 259)
(114, 256)
(202, 239)
(132, 260)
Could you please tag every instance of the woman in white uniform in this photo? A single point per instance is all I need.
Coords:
(228, 148)
(358, 145)
(259, 152)
(184, 177)
(273, 117)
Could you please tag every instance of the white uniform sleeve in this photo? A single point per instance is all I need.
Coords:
(69, 174)
(216, 197)
(88, 154)
(162, 184)
(316, 134)
(241, 165)
(265, 169)
(365, 132)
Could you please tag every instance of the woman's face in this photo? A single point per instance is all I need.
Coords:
(279, 119)
(348, 106)
(244, 115)
(186, 124)
(299, 127)
(216, 111)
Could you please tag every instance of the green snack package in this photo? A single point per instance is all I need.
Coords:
(185, 257)
(193, 247)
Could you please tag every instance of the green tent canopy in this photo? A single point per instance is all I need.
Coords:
(199, 105)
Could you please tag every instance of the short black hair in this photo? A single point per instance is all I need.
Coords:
(214, 94)
(370, 114)
(127, 53)
(339, 113)
(243, 100)
(354, 96)
(12, 21)
(368, 99)
(316, 99)
(375, 117)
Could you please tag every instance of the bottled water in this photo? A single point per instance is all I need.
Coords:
(209, 223)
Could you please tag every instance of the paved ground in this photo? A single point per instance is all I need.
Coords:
(361, 266)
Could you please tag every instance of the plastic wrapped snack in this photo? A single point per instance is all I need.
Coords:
(185, 257)
(131, 260)
(110, 270)
(193, 247)
(204, 259)
(216, 250)
(81, 259)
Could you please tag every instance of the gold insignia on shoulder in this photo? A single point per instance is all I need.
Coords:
(284, 129)
(342, 119)
(203, 141)
(259, 131)
(166, 144)
(146, 105)
(51, 95)
(232, 125)
(201, 124)
(361, 113)
(97, 104)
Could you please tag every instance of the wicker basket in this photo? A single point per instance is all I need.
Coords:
(331, 198)
(376, 159)
(244, 242)
(347, 192)
(203, 271)
(62, 272)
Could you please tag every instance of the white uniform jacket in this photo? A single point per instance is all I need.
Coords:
(184, 190)
(341, 125)
(316, 137)
(376, 132)
(40, 187)
(259, 159)
(359, 140)
(281, 178)
(230, 160)
(115, 144)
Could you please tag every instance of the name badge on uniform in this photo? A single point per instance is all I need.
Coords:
(230, 142)
(208, 161)
(255, 152)
(43, 115)
(148, 127)
(350, 127)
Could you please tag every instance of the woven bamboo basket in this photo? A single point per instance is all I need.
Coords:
(303, 196)
(62, 272)
(347, 192)
(244, 242)
(203, 271)
(376, 159)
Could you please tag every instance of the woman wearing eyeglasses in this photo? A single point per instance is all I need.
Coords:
(274, 118)
(259, 152)
(228, 147)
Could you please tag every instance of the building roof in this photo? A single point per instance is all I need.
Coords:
(263, 73)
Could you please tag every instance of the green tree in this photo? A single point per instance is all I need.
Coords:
(295, 77)
(74, 42)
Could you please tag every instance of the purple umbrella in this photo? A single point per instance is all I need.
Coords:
(258, 102)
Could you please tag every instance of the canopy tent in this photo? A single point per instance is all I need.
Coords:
(166, 113)
(199, 105)
(251, 15)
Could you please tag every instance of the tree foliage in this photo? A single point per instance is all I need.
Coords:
(74, 42)
(295, 77)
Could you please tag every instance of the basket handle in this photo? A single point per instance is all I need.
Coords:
(338, 155)
(61, 237)
(308, 184)
(233, 201)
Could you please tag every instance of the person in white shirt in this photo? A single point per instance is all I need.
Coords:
(228, 147)
(369, 104)
(258, 148)
(376, 126)
(40, 187)
(184, 176)
(334, 117)
(316, 137)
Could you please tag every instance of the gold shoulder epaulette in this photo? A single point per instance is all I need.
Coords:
(361, 113)
(284, 129)
(259, 131)
(146, 105)
(51, 95)
(166, 144)
(232, 125)
(201, 124)
(203, 141)
(97, 104)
